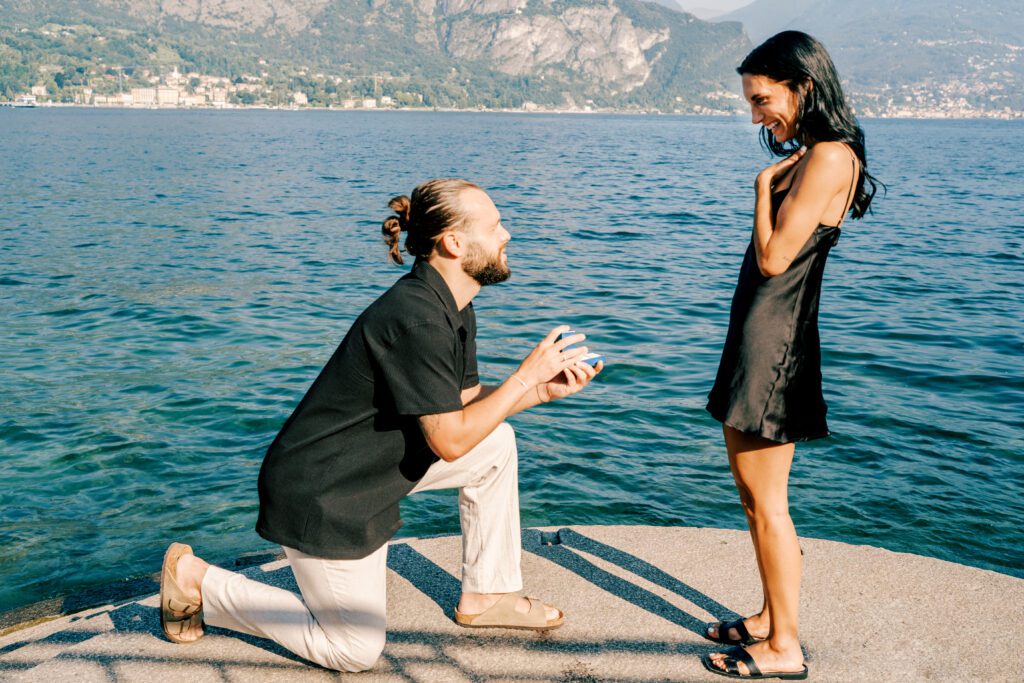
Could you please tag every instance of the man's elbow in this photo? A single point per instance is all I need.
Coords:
(443, 435)
(447, 454)
(448, 451)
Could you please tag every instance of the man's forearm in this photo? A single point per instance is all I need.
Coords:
(530, 399)
(452, 435)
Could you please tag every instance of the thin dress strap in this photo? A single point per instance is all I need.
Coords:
(853, 186)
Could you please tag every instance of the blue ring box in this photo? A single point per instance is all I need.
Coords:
(591, 359)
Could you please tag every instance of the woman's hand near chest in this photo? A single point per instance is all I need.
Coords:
(771, 175)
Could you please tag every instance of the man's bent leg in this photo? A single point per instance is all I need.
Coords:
(488, 481)
(338, 622)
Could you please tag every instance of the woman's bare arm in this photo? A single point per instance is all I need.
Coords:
(823, 175)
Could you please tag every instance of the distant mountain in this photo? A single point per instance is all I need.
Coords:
(705, 13)
(763, 18)
(711, 9)
(670, 4)
(613, 53)
(910, 52)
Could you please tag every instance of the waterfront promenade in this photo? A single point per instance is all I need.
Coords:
(636, 599)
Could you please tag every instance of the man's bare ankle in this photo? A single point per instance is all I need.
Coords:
(474, 603)
(480, 597)
(190, 573)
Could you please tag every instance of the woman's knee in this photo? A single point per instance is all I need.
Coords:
(773, 516)
(763, 506)
(747, 499)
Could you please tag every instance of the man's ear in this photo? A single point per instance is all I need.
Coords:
(451, 244)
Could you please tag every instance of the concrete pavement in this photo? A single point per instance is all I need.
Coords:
(636, 599)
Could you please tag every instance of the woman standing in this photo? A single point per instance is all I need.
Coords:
(768, 390)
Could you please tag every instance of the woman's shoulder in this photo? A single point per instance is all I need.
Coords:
(832, 153)
(832, 160)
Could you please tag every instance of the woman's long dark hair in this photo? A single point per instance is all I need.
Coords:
(794, 58)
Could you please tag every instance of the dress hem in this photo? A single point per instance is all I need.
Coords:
(768, 434)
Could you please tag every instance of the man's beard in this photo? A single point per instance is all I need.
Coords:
(485, 271)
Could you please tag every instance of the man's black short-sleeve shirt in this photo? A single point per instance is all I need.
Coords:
(331, 482)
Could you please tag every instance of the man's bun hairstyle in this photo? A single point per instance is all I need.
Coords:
(394, 225)
(433, 210)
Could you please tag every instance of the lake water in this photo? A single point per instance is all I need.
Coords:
(171, 283)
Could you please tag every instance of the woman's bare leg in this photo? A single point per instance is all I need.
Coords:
(761, 469)
(757, 624)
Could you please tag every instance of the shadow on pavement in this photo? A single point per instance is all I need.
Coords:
(561, 553)
(413, 649)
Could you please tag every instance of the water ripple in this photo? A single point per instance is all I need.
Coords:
(163, 313)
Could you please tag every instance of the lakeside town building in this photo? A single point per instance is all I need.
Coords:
(195, 90)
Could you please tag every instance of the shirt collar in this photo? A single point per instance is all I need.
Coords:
(422, 270)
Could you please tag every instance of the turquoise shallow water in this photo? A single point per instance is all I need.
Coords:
(171, 282)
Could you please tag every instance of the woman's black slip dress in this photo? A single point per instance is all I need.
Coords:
(769, 378)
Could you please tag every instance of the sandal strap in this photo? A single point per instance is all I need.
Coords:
(735, 655)
(503, 613)
(183, 608)
(741, 630)
(730, 666)
(722, 635)
(178, 626)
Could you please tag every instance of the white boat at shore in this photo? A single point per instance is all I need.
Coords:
(21, 102)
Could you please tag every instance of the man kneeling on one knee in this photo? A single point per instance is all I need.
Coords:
(397, 409)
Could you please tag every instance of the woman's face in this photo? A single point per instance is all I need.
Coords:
(772, 105)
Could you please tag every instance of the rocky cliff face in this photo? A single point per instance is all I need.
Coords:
(597, 42)
(270, 16)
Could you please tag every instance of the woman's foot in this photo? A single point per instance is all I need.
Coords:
(757, 627)
(768, 656)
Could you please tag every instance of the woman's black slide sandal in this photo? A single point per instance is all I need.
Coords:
(735, 655)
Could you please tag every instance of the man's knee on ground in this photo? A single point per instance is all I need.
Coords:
(355, 656)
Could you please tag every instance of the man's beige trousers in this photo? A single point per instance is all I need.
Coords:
(339, 620)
